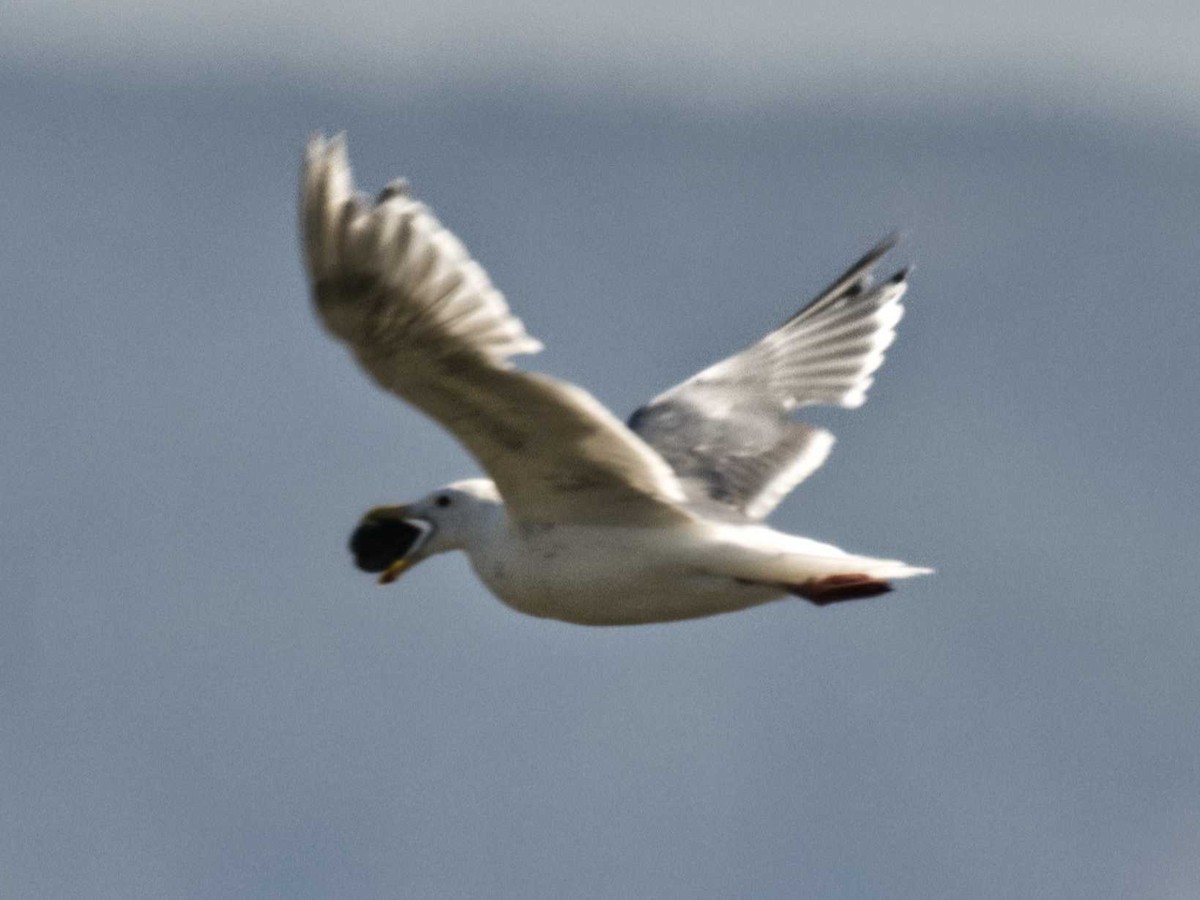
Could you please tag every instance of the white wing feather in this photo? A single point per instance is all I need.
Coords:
(426, 323)
(826, 354)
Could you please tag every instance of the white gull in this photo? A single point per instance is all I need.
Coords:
(586, 519)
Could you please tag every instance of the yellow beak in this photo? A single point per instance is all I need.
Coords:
(395, 570)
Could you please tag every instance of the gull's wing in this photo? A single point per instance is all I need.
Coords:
(426, 323)
(727, 432)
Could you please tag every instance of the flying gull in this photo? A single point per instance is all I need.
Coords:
(583, 518)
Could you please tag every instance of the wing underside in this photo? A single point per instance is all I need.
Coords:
(426, 323)
(728, 431)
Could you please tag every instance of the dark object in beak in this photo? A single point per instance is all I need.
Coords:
(377, 543)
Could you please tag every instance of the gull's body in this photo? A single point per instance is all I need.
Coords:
(586, 519)
(607, 575)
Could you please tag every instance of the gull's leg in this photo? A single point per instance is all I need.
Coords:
(838, 588)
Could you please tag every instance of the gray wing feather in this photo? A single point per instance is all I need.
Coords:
(727, 432)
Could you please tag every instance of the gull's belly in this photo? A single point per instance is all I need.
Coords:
(610, 576)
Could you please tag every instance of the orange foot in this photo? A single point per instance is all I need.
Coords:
(836, 588)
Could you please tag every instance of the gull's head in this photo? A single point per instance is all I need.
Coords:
(391, 540)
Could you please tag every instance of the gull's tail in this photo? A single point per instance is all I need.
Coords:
(820, 573)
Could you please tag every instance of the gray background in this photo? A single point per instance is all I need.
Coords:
(200, 697)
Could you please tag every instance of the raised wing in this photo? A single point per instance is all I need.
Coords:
(426, 323)
(727, 432)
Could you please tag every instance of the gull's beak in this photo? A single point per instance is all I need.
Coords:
(395, 570)
(387, 541)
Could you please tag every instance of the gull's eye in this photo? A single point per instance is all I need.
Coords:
(443, 500)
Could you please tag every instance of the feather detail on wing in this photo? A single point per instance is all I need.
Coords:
(727, 431)
(426, 323)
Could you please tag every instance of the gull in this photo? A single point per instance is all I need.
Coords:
(583, 518)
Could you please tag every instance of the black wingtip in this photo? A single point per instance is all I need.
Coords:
(854, 280)
(397, 187)
(863, 265)
(882, 246)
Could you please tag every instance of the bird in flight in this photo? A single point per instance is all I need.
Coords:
(584, 518)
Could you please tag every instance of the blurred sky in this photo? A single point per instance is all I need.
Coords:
(200, 697)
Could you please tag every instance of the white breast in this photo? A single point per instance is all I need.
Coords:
(602, 575)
